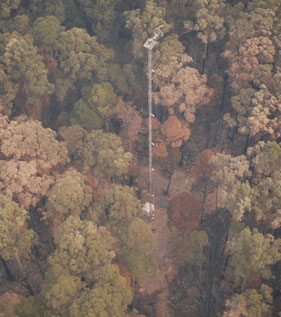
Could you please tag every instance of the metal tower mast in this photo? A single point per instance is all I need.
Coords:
(149, 44)
(150, 122)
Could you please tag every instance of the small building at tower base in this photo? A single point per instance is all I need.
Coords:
(148, 208)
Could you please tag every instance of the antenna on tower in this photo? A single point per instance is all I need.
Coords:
(149, 45)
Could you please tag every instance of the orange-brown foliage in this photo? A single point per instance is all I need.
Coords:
(92, 181)
(184, 210)
(132, 123)
(9, 301)
(96, 194)
(34, 111)
(45, 100)
(156, 124)
(160, 150)
(50, 62)
(124, 273)
(175, 131)
(203, 166)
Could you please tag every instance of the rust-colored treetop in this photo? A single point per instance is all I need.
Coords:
(204, 167)
(175, 131)
(184, 210)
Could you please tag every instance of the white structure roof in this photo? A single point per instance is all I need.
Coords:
(148, 208)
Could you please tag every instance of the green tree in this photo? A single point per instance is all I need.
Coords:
(104, 153)
(106, 101)
(235, 306)
(258, 190)
(25, 66)
(179, 11)
(45, 31)
(238, 200)
(208, 22)
(116, 75)
(268, 161)
(61, 290)
(264, 195)
(118, 204)
(15, 237)
(34, 308)
(267, 196)
(68, 196)
(259, 303)
(136, 241)
(99, 102)
(19, 24)
(243, 107)
(136, 236)
(253, 253)
(86, 114)
(82, 279)
(81, 248)
(266, 186)
(138, 265)
(250, 303)
(193, 252)
(102, 15)
(109, 297)
(6, 6)
(81, 58)
(8, 92)
(42, 8)
(193, 248)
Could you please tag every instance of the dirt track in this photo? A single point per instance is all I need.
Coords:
(160, 255)
(164, 248)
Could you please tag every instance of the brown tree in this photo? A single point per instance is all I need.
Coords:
(203, 167)
(250, 43)
(132, 123)
(184, 210)
(187, 89)
(160, 150)
(255, 51)
(175, 131)
(29, 154)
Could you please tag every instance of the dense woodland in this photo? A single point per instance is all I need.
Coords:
(74, 241)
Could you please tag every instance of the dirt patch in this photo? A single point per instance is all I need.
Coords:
(160, 257)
